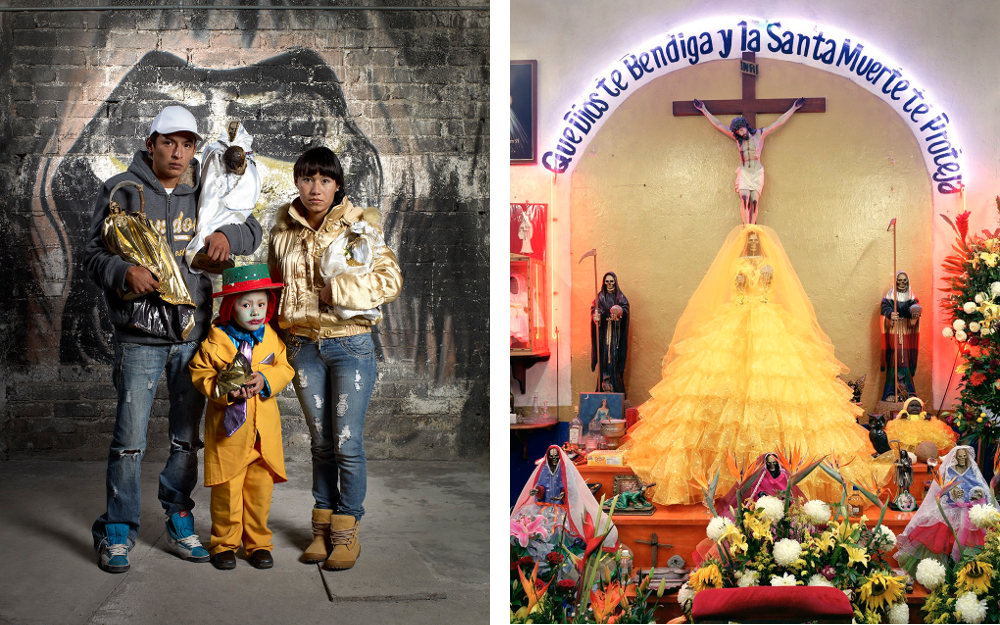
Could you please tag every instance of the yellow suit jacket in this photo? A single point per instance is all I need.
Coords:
(226, 456)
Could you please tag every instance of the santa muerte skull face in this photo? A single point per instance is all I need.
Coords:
(553, 456)
(753, 244)
(962, 458)
(609, 284)
(771, 462)
(902, 283)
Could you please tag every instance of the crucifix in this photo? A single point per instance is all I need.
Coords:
(654, 544)
(749, 139)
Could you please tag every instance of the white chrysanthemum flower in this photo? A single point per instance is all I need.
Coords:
(995, 289)
(969, 307)
(983, 516)
(888, 538)
(716, 527)
(773, 508)
(818, 579)
(958, 324)
(961, 336)
(787, 551)
(970, 609)
(685, 595)
(980, 298)
(947, 332)
(974, 327)
(899, 613)
(818, 512)
(785, 580)
(748, 577)
(930, 573)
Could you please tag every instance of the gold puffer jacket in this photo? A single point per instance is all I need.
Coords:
(294, 259)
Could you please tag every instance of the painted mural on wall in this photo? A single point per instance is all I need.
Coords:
(259, 98)
(289, 102)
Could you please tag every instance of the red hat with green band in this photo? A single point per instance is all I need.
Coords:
(236, 280)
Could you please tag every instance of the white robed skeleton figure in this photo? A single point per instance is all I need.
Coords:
(229, 189)
(354, 252)
(567, 503)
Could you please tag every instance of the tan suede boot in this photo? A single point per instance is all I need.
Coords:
(344, 537)
(320, 547)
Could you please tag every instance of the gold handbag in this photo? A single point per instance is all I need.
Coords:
(133, 237)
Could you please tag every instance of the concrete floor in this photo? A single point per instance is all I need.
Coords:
(424, 559)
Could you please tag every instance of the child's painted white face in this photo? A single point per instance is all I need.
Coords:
(250, 309)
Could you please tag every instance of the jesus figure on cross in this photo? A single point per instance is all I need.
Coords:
(750, 141)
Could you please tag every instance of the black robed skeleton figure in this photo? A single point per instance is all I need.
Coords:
(609, 335)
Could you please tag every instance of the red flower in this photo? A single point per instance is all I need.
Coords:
(962, 223)
(554, 558)
(566, 585)
(977, 378)
(524, 561)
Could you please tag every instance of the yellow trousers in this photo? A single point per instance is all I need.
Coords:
(240, 508)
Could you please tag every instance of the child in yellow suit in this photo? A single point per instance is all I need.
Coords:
(241, 367)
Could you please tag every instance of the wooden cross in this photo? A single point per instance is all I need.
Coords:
(748, 106)
(654, 544)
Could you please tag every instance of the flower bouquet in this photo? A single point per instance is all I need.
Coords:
(778, 540)
(972, 312)
(557, 577)
(968, 592)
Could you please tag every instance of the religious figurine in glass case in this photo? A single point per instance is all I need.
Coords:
(609, 335)
(519, 323)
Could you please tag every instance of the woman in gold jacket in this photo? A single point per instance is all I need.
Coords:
(243, 449)
(327, 318)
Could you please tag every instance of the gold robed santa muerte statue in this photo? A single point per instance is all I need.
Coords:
(748, 371)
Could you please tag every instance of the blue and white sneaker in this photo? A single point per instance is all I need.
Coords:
(182, 540)
(112, 552)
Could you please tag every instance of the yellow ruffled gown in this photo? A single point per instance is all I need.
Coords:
(748, 377)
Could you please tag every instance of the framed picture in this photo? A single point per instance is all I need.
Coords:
(523, 134)
(597, 407)
(527, 229)
(626, 484)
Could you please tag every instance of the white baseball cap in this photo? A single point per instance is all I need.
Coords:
(175, 119)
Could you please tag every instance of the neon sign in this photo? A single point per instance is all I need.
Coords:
(790, 40)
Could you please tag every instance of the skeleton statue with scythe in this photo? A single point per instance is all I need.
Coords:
(609, 331)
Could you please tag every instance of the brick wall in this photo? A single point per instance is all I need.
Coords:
(401, 96)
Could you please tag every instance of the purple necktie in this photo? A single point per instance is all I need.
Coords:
(236, 412)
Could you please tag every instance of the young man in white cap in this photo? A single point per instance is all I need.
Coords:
(169, 174)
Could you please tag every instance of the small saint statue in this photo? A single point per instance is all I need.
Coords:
(901, 325)
(609, 335)
(750, 141)
(904, 479)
